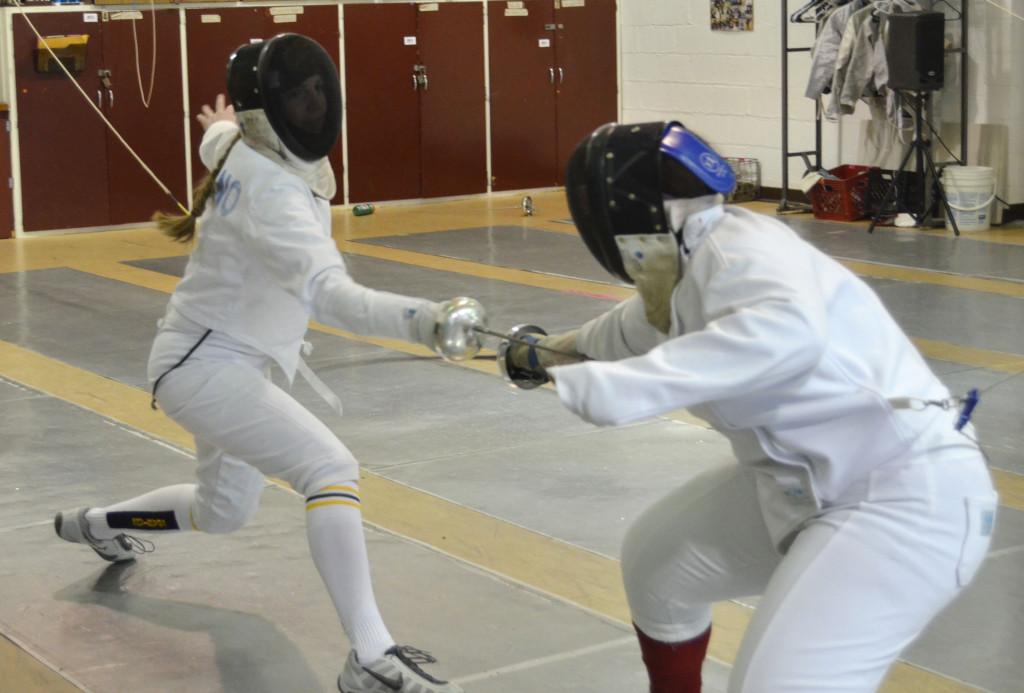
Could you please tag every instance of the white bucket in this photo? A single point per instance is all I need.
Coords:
(970, 191)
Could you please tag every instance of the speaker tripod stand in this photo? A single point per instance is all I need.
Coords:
(921, 147)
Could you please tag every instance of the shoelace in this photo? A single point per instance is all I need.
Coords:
(415, 655)
(129, 542)
(136, 545)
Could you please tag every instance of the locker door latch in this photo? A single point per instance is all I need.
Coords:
(105, 80)
(419, 77)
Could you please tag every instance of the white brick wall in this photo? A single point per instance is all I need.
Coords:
(726, 85)
(996, 83)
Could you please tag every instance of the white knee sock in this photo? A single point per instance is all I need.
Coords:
(165, 509)
(334, 526)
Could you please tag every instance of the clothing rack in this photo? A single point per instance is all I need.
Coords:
(785, 204)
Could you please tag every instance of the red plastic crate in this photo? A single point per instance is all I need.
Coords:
(845, 199)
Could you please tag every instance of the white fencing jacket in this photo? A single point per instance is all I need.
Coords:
(265, 262)
(781, 349)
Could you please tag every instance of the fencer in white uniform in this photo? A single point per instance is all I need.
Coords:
(855, 510)
(264, 264)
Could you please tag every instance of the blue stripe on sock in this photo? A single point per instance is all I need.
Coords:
(333, 495)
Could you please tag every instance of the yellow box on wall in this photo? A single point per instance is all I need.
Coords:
(70, 50)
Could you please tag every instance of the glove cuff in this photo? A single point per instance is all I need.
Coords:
(564, 342)
(425, 324)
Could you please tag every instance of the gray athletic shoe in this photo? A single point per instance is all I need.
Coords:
(397, 671)
(72, 526)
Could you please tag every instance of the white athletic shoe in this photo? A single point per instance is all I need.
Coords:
(397, 671)
(72, 526)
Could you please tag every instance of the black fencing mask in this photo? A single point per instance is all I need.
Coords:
(620, 175)
(294, 81)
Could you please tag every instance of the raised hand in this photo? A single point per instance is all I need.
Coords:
(220, 111)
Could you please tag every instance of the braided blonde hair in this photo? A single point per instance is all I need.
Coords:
(182, 227)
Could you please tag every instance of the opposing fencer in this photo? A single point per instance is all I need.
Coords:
(856, 510)
(263, 265)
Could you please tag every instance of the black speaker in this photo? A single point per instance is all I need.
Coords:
(915, 52)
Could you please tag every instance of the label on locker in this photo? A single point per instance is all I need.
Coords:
(544, 43)
(514, 5)
(428, 7)
(574, 3)
(285, 19)
(209, 18)
(408, 40)
(115, 16)
(91, 18)
(298, 9)
(521, 12)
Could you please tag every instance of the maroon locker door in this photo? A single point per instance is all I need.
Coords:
(523, 140)
(320, 23)
(63, 142)
(383, 107)
(211, 36)
(156, 132)
(587, 74)
(453, 127)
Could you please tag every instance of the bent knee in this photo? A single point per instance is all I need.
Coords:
(642, 558)
(309, 478)
(659, 602)
(224, 520)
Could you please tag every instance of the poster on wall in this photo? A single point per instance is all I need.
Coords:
(732, 15)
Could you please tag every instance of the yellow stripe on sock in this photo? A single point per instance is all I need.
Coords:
(351, 504)
(345, 489)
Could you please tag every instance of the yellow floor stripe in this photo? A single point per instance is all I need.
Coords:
(22, 672)
(484, 271)
(20, 255)
(403, 220)
(980, 358)
(112, 399)
(1010, 486)
(923, 276)
(137, 276)
(582, 577)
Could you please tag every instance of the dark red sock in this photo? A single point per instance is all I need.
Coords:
(674, 667)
